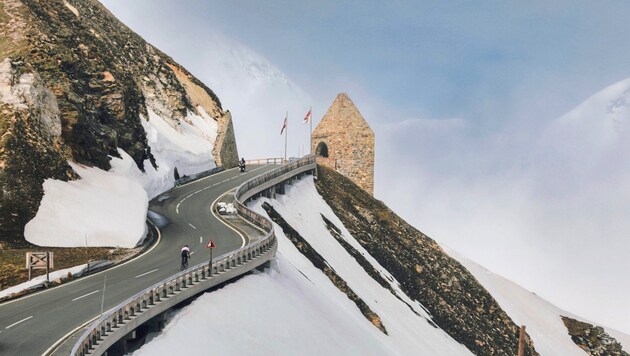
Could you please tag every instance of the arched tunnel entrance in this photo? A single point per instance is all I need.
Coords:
(321, 150)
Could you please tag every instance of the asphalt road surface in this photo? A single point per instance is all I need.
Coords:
(30, 325)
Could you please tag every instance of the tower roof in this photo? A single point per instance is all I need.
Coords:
(342, 115)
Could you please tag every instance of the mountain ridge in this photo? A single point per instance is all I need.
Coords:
(75, 86)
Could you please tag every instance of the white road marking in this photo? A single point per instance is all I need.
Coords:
(17, 322)
(145, 273)
(193, 226)
(200, 239)
(210, 176)
(85, 295)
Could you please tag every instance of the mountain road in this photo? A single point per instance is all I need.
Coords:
(32, 324)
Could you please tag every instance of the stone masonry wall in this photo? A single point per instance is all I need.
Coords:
(350, 143)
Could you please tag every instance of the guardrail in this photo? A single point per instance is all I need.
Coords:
(272, 160)
(190, 178)
(246, 190)
(114, 324)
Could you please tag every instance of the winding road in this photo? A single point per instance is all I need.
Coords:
(32, 324)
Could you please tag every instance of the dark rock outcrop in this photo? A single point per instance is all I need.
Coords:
(456, 301)
(320, 263)
(593, 339)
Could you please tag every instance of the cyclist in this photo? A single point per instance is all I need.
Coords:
(185, 256)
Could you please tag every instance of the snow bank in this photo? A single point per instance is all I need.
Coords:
(39, 280)
(101, 209)
(108, 208)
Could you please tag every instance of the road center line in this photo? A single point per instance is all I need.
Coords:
(193, 226)
(145, 273)
(17, 322)
(85, 295)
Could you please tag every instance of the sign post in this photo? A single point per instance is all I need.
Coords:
(521, 341)
(39, 260)
(211, 246)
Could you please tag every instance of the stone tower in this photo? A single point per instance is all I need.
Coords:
(345, 142)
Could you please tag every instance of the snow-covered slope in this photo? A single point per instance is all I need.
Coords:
(293, 308)
(541, 318)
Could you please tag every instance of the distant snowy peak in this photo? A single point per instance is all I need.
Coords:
(607, 112)
(600, 125)
(246, 61)
(610, 104)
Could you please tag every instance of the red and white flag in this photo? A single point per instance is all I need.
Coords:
(308, 116)
(284, 126)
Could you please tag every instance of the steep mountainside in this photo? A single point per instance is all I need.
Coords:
(326, 294)
(456, 301)
(76, 84)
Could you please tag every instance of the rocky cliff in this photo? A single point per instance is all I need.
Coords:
(75, 84)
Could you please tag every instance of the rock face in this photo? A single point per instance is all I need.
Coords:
(344, 141)
(593, 339)
(75, 84)
(457, 302)
(225, 151)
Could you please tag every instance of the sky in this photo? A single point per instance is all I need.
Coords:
(481, 139)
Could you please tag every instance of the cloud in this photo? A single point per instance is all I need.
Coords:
(546, 208)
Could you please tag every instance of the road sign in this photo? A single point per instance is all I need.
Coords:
(210, 244)
(37, 260)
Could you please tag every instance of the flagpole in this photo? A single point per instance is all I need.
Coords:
(286, 134)
(310, 132)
